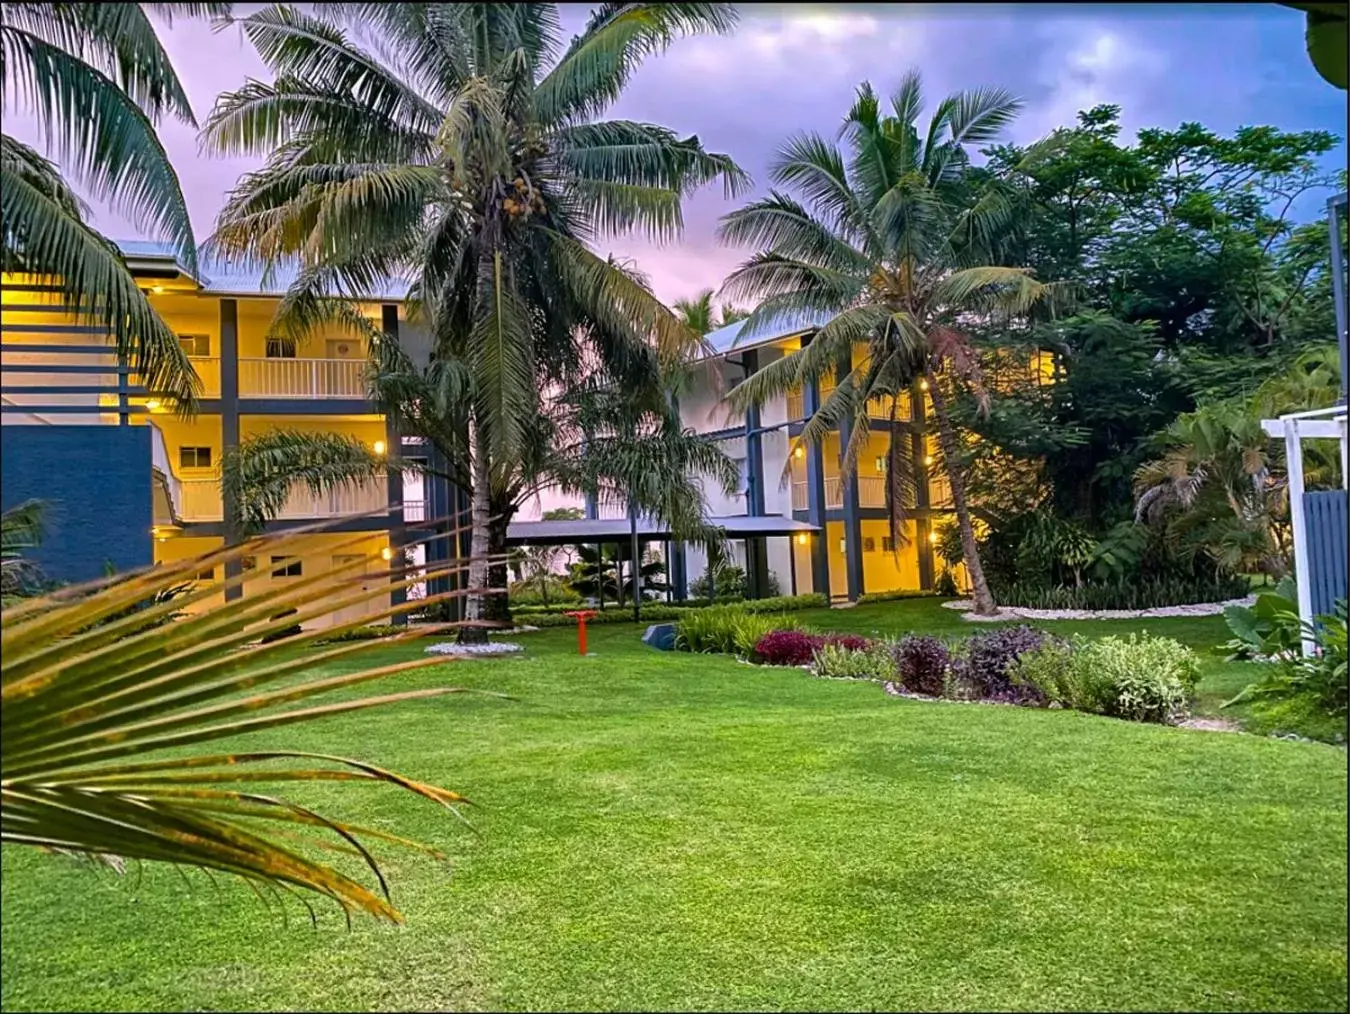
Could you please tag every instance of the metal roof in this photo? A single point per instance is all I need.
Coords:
(220, 277)
(552, 533)
(735, 337)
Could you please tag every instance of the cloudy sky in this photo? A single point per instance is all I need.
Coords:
(790, 68)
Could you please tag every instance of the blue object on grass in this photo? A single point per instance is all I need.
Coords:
(660, 636)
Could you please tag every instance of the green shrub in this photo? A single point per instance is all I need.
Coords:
(370, 632)
(531, 592)
(840, 662)
(781, 603)
(652, 612)
(891, 596)
(1319, 678)
(1140, 678)
(727, 630)
(1142, 593)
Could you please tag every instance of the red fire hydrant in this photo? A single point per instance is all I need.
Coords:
(582, 615)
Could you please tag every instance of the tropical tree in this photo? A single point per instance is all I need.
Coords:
(473, 164)
(104, 709)
(21, 529)
(98, 81)
(894, 237)
(700, 316)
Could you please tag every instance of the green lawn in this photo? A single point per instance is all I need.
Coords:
(676, 832)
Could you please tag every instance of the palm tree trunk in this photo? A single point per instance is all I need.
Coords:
(497, 606)
(984, 600)
(479, 509)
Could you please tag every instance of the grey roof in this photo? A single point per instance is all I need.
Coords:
(221, 277)
(735, 337)
(552, 533)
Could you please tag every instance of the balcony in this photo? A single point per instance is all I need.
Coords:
(871, 493)
(877, 408)
(302, 378)
(201, 501)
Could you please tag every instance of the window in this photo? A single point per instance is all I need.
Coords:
(887, 544)
(195, 344)
(206, 575)
(248, 563)
(869, 544)
(280, 348)
(881, 464)
(291, 569)
(194, 457)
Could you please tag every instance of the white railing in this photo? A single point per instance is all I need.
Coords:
(208, 369)
(199, 500)
(302, 503)
(301, 378)
(414, 510)
(796, 407)
(871, 493)
(159, 461)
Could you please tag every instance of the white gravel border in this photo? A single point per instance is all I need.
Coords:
(474, 650)
(965, 607)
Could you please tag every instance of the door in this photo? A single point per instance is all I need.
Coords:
(340, 374)
(359, 564)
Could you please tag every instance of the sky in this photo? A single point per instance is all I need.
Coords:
(789, 68)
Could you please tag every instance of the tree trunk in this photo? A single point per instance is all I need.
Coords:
(475, 602)
(984, 600)
(497, 606)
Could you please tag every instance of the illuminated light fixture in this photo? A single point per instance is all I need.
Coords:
(932, 536)
(801, 539)
(927, 459)
(923, 385)
(386, 553)
(158, 290)
(843, 546)
(379, 446)
(153, 405)
(798, 452)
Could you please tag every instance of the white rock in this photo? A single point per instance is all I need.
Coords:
(479, 650)
(1023, 613)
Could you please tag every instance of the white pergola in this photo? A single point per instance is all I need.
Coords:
(1317, 424)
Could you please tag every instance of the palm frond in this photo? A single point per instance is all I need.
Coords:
(95, 721)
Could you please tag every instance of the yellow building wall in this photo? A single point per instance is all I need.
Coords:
(201, 431)
(176, 548)
(884, 570)
(320, 554)
(367, 429)
(801, 561)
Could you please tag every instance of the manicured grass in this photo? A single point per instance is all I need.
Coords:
(676, 832)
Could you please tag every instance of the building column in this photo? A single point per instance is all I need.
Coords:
(229, 430)
(393, 450)
(756, 552)
(923, 527)
(815, 498)
(848, 486)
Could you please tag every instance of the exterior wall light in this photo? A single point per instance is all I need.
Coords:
(798, 453)
(386, 553)
(932, 537)
(379, 446)
(927, 459)
(801, 539)
(923, 385)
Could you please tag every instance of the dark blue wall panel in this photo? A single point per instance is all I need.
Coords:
(97, 482)
(1325, 511)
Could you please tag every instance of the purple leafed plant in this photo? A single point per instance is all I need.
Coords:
(986, 664)
(849, 642)
(922, 664)
(785, 647)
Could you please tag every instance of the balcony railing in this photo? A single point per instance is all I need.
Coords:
(871, 493)
(301, 378)
(877, 408)
(208, 368)
(201, 501)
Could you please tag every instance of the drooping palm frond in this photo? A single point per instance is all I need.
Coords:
(98, 710)
(21, 529)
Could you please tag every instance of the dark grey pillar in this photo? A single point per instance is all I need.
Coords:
(848, 485)
(679, 572)
(923, 490)
(393, 450)
(756, 553)
(229, 428)
(815, 498)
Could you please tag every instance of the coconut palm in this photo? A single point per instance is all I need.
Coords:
(104, 711)
(461, 150)
(700, 316)
(98, 81)
(892, 237)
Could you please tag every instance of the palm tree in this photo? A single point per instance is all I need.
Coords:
(102, 703)
(98, 81)
(474, 165)
(698, 313)
(893, 237)
(21, 529)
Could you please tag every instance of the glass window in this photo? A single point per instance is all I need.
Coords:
(291, 569)
(280, 348)
(195, 344)
(194, 457)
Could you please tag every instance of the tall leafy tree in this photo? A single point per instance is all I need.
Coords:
(462, 149)
(98, 81)
(892, 236)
